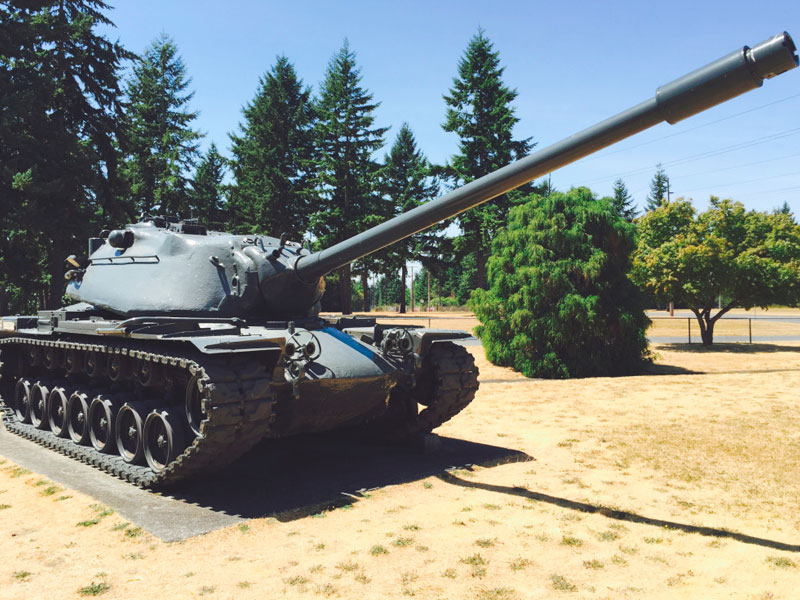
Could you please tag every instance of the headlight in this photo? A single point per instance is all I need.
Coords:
(8, 325)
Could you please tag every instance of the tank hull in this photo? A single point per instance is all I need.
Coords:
(178, 399)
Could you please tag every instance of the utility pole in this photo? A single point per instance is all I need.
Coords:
(429, 291)
(412, 288)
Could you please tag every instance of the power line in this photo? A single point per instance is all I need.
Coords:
(741, 165)
(677, 133)
(740, 146)
(776, 190)
(729, 168)
(793, 174)
(702, 155)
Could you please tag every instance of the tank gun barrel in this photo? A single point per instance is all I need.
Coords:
(721, 80)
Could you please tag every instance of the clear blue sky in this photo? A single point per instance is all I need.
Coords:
(573, 64)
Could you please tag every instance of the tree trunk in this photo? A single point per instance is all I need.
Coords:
(56, 288)
(403, 289)
(707, 333)
(345, 290)
(707, 322)
(365, 288)
(706, 326)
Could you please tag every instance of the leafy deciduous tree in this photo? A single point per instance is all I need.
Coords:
(748, 258)
(560, 303)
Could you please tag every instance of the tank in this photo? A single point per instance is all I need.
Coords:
(186, 347)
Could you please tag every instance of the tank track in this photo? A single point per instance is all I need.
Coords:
(448, 384)
(237, 402)
(455, 382)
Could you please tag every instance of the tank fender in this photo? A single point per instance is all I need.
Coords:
(424, 338)
(421, 337)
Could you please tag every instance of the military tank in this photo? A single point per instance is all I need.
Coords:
(186, 347)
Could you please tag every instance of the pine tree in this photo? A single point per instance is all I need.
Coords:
(406, 182)
(348, 176)
(60, 102)
(623, 201)
(481, 114)
(784, 209)
(659, 189)
(274, 157)
(208, 198)
(161, 147)
(389, 290)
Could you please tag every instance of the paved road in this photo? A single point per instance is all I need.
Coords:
(729, 339)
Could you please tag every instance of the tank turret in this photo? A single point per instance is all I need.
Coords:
(188, 347)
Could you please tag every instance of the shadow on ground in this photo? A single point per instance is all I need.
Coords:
(651, 369)
(300, 476)
(660, 369)
(620, 515)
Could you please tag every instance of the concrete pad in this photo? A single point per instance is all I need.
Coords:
(167, 518)
(287, 479)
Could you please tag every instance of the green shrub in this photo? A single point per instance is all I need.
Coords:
(559, 302)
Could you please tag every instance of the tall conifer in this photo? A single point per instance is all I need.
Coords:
(348, 176)
(161, 148)
(406, 182)
(208, 197)
(274, 157)
(623, 202)
(659, 189)
(481, 114)
(59, 108)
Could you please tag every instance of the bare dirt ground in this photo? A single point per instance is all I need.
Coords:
(678, 484)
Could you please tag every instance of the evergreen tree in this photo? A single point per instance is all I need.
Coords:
(388, 290)
(406, 182)
(784, 209)
(560, 303)
(623, 201)
(659, 190)
(59, 106)
(161, 147)
(421, 288)
(347, 177)
(480, 113)
(274, 157)
(208, 197)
